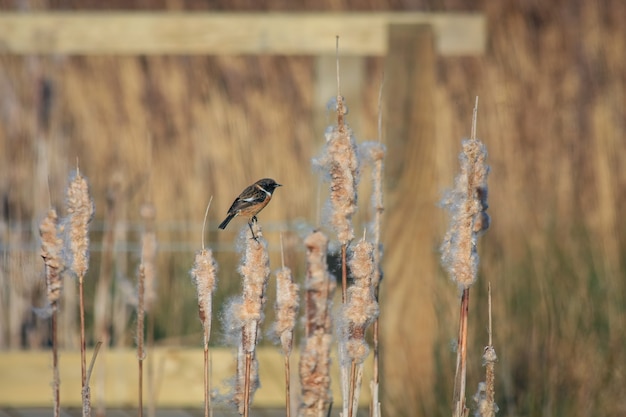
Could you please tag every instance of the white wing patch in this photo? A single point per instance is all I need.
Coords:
(264, 190)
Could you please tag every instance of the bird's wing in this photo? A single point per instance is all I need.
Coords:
(247, 196)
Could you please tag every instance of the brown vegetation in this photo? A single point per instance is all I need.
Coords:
(552, 97)
(319, 288)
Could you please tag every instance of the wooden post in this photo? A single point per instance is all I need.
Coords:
(412, 220)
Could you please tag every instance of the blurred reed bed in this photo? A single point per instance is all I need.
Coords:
(143, 98)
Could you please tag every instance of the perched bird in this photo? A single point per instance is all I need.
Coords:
(251, 201)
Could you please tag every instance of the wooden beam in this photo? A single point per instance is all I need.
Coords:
(130, 33)
(178, 377)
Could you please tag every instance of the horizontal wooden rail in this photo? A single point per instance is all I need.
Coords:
(25, 377)
(128, 33)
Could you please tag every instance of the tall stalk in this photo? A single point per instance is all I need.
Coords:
(80, 212)
(204, 276)
(467, 204)
(51, 247)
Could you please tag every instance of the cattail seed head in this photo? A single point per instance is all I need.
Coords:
(315, 357)
(467, 204)
(80, 211)
(339, 160)
(51, 247)
(204, 276)
(361, 308)
(255, 272)
(287, 304)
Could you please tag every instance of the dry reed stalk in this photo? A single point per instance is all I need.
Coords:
(340, 163)
(360, 310)
(86, 391)
(51, 247)
(255, 272)
(146, 297)
(339, 160)
(485, 396)
(375, 153)
(287, 305)
(147, 212)
(315, 358)
(80, 211)
(204, 276)
(140, 336)
(467, 204)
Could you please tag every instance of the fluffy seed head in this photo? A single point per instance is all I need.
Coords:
(80, 211)
(51, 247)
(467, 204)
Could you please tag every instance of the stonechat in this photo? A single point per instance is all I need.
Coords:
(251, 201)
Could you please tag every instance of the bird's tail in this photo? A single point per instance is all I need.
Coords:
(226, 221)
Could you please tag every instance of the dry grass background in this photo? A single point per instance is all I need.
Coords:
(176, 130)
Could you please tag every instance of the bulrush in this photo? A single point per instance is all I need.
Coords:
(467, 204)
(319, 288)
(204, 276)
(255, 272)
(51, 247)
(80, 211)
(360, 310)
(287, 305)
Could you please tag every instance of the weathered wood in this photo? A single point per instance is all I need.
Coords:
(412, 230)
(97, 33)
(26, 375)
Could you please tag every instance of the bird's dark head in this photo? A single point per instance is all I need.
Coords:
(268, 184)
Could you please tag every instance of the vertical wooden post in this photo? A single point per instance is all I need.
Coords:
(412, 220)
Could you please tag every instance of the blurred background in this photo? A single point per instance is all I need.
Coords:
(174, 130)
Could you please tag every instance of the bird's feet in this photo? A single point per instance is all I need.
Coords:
(252, 230)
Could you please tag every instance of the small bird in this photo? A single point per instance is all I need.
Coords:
(251, 201)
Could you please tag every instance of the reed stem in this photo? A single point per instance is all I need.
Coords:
(55, 366)
(140, 331)
(344, 273)
(246, 392)
(287, 387)
(461, 362)
(83, 356)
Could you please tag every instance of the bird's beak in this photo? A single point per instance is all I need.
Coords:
(279, 185)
